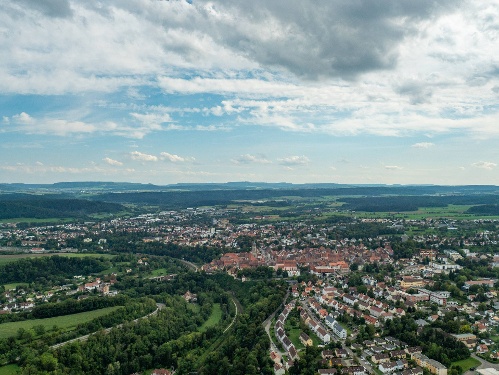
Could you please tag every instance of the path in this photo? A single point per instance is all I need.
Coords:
(238, 306)
(106, 330)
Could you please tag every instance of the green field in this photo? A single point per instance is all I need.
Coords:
(294, 336)
(159, 272)
(4, 259)
(466, 364)
(214, 319)
(66, 322)
(9, 370)
(14, 285)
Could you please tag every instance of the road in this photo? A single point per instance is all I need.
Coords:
(85, 337)
(364, 363)
(189, 264)
(266, 324)
(483, 364)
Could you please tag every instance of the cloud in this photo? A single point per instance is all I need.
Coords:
(152, 120)
(51, 8)
(393, 167)
(175, 158)
(136, 155)
(484, 165)
(22, 118)
(330, 39)
(424, 145)
(112, 162)
(249, 159)
(418, 92)
(294, 161)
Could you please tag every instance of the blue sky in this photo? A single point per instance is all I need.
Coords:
(213, 91)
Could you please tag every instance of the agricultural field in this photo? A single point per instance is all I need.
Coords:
(66, 322)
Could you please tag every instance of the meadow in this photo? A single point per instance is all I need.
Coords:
(214, 319)
(66, 322)
(9, 370)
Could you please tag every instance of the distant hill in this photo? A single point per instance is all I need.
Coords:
(96, 186)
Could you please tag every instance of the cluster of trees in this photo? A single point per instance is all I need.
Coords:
(133, 347)
(365, 230)
(172, 338)
(245, 349)
(436, 343)
(74, 306)
(402, 203)
(66, 307)
(50, 270)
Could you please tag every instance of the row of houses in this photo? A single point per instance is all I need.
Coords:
(321, 333)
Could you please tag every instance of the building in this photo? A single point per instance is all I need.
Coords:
(433, 366)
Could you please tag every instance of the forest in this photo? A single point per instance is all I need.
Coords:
(50, 270)
(46, 207)
(171, 339)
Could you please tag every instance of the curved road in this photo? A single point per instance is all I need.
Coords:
(189, 264)
(268, 321)
(238, 308)
(106, 330)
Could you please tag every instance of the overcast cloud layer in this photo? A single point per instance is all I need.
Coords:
(211, 91)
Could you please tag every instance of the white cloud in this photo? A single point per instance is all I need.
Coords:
(112, 162)
(175, 158)
(424, 145)
(393, 167)
(484, 165)
(294, 161)
(249, 159)
(136, 155)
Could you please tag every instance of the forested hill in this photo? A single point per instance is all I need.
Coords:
(383, 198)
(45, 207)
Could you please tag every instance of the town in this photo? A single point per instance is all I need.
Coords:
(347, 296)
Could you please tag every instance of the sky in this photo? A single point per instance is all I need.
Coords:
(162, 92)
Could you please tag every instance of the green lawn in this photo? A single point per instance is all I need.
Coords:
(9, 370)
(194, 307)
(66, 322)
(468, 363)
(294, 336)
(158, 272)
(4, 259)
(14, 285)
(214, 319)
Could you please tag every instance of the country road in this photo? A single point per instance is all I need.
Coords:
(85, 337)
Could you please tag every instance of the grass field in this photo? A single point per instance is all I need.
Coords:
(14, 285)
(9, 370)
(294, 336)
(4, 259)
(158, 272)
(468, 363)
(66, 322)
(214, 319)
